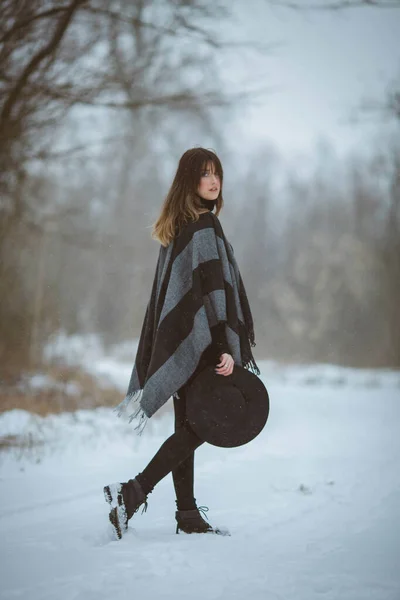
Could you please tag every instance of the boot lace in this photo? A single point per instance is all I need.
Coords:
(203, 509)
(144, 509)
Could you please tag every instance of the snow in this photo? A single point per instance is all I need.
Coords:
(41, 382)
(312, 503)
(114, 365)
(15, 422)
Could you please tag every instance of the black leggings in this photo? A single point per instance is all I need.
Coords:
(177, 455)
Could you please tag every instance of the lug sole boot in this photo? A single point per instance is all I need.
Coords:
(124, 499)
(191, 521)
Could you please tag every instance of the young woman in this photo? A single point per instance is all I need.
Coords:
(194, 193)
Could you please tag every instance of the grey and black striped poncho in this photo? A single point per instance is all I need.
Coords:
(197, 285)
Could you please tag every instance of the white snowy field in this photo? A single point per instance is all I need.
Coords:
(313, 503)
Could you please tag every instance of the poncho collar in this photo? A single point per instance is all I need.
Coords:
(210, 204)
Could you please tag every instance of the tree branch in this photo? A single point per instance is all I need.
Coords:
(24, 23)
(38, 58)
(117, 16)
(187, 98)
(74, 150)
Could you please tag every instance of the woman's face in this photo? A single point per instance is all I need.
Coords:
(210, 185)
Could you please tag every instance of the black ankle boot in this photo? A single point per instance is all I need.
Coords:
(125, 499)
(191, 521)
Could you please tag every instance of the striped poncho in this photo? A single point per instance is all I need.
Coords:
(197, 285)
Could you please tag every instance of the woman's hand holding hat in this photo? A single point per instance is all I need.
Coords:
(225, 367)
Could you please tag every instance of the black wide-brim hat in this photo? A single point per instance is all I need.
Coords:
(227, 410)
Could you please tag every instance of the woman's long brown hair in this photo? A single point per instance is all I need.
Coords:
(182, 202)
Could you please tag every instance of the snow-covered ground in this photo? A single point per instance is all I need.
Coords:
(312, 503)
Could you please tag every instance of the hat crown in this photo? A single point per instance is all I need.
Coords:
(227, 411)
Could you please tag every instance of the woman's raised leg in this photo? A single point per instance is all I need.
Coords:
(179, 447)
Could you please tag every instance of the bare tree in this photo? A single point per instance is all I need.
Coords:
(131, 62)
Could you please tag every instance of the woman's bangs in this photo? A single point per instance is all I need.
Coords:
(211, 165)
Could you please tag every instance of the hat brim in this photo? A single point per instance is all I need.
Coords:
(227, 411)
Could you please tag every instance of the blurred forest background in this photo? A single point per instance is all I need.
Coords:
(99, 99)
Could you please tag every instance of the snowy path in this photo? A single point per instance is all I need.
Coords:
(312, 505)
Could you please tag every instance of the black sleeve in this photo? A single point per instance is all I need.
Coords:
(219, 341)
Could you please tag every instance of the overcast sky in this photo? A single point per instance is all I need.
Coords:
(326, 65)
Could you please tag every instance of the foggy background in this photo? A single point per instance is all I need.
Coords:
(300, 100)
